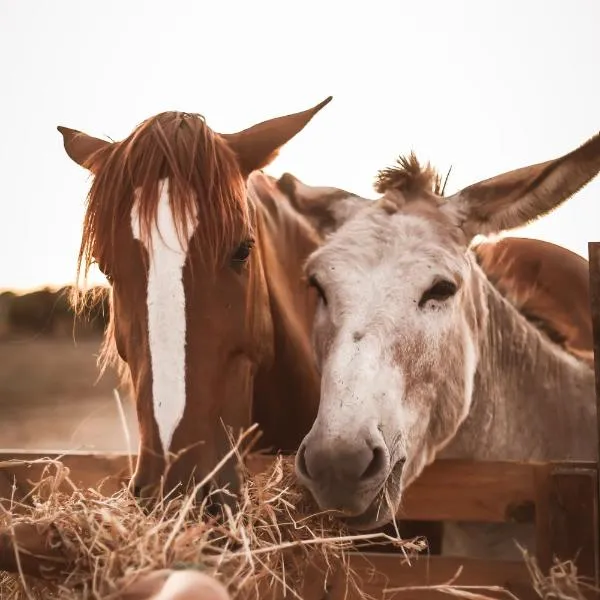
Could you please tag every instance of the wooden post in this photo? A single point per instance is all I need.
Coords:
(567, 518)
(594, 268)
(567, 523)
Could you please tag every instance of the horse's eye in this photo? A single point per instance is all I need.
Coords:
(314, 282)
(440, 291)
(242, 252)
(105, 271)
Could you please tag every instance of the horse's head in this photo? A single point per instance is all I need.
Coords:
(397, 329)
(169, 223)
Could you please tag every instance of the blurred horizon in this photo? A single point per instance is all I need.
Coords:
(482, 87)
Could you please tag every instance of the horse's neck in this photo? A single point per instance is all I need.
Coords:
(531, 400)
(286, 393)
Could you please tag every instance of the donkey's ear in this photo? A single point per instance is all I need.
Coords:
(258, 145)
(81, 147)
(515, 198)
(326, 208)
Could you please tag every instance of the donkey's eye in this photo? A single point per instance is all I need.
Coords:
(440, 291)
(242, 252)
(314, 282)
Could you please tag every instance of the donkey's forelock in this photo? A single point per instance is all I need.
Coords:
(409, 177)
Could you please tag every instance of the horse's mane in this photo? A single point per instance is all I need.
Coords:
(203, 174)
(409, 176)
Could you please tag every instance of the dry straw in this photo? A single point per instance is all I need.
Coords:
(110, 542)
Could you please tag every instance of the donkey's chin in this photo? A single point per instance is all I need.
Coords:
(384, 506)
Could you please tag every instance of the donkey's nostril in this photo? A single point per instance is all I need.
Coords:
(358, 463)
(301, 465)
(377, 464)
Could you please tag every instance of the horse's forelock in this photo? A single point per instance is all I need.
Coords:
(204, 179)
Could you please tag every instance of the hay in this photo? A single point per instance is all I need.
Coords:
(562, 582)
(94, 546)
(110, 542)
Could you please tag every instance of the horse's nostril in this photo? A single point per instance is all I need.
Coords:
(142, 498)
(376, 465)
(213, 510)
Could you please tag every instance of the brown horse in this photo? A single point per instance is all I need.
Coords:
(548, 284)
(208, 308)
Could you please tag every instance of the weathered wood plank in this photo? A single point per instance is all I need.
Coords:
(468, 491)
(106, 472)
(380, 574)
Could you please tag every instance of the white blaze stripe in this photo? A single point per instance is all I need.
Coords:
(166, 315)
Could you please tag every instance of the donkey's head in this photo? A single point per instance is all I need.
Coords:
(397, 329)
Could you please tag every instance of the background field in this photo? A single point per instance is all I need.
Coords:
(50, 395)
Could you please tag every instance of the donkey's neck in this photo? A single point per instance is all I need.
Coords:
(531, 399)
(286, 395)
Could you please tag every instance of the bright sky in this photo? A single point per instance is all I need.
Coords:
(482, 86)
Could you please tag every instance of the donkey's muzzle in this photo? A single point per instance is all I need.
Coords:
(343, 474)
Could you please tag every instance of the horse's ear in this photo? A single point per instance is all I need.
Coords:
(326, 208)
(258, 145)
(515, 198)
(81, 147)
